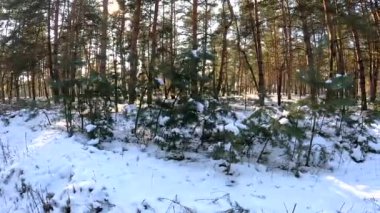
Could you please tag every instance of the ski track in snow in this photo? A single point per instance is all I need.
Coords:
(130, 178)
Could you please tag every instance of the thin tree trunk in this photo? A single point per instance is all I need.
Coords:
(290, 51)
(255, 23)
(287, 45)
(279, 69)
(28, 83)
(122, 8)
(16, 79)
(33, 85)
(2, 84)
(172, 48)
(45, 87)
(361, 69)
(10, 86)
(238, 45)
(341, 68)
(103, 39)
(259, 57)
(54, 65)
(374, 53)
(49, 47)
(372, 73)
(205, 40)
(194, 72)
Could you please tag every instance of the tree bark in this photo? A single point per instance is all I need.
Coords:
(255, 23)
(225, 26)
(49, 49)
(374, 56)
(287, 33)
(152, 64)
(172, 55)
(134, 52)
(359, 60)
(2, 85)
(205, 40)
(121, 44)
(302, 6)
(331, 34)
(360, 67)
(279, 69)
(373, 71)
(331, 31)
(238, 45)
(103, 39)
(194, 72)
(55, 66)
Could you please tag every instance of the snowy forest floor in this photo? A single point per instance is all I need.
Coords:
(44, 170)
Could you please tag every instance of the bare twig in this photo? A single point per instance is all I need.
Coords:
(341, 208)
(286, 208)
(176, 202)
(47, 117)
(294, 208)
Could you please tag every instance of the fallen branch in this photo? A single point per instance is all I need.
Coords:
(176, 202)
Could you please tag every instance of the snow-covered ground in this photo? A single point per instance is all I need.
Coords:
(39, 163)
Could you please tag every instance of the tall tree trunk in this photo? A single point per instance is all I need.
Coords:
(360, 67)
(341, 67)
(55, 67)
(359, 60)
(17, 86)
(260, 59)
(2, 85)
(194, 42)
(332, 40)
(290, 51)
(238, 45)
(302, 6)
(45, 88)
(49, 48)
(134, 52)
(331, 34)
(288, 58)
(172, 48)
(225, 26)
(103, 39)
(374, 51)
(10, 86)
(373, 71)
(279, 69)
(255, 21)
(152, 64)
(205, 40)
(121, 44)
(33, 84)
